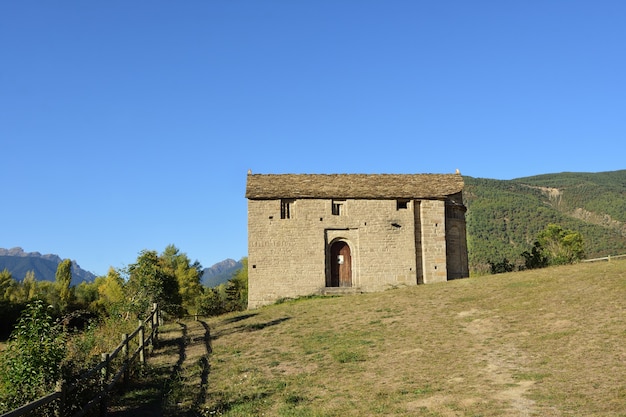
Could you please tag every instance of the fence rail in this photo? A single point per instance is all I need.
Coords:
(107, 379)
(606, 258)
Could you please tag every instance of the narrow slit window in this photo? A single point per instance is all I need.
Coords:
(338, 207)
(402, 204)
(286, 208)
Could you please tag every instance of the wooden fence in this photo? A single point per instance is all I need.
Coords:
(606, 258)
(103, 373)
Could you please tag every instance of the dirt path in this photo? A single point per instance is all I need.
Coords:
(176, 379)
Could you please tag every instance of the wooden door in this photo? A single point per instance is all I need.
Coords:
(341, 265)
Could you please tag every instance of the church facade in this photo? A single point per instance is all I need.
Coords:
(318, 233)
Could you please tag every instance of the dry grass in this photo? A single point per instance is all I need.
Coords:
(549, 342)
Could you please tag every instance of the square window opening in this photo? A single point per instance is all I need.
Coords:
(338, 207)
(402, 204)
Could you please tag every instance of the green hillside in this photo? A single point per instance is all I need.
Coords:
(504, 216)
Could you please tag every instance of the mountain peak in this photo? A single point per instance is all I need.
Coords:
(220, 272)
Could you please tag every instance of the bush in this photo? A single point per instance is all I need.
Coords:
(500, 267)
(31, 363)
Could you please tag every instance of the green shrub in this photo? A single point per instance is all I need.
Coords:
(31, 363)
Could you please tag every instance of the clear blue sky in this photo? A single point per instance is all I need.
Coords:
(130, 125)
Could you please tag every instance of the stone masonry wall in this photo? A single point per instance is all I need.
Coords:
(289, 257)
(456, 247)
(433, 242)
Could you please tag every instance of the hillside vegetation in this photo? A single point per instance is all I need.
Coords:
(505, 216)
(547, 342)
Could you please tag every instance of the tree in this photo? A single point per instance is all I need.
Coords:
(29, 289)
(110, 292)
(7, 283)
(500, 267)
(237, 289)
(212, 301)
(535, 258)
(561, 246)
(86, 294)
(149, 283)
(63, 278)
(187, 275)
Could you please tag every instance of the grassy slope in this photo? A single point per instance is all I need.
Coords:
(547, 342)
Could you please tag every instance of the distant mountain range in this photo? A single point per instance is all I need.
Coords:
(18, 263)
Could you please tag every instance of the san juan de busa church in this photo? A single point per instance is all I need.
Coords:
(352, 233)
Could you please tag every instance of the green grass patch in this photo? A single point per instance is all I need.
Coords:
(529, 376)
(348, 356)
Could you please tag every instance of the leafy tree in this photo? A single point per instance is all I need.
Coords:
(500, 267)
(28, 290)
(86, 294)
(49, 292)
(63, 278)
(187, 274)
(212, 301)
(110, 292)
(535, 258)
(7, 284)
(31, 363)
(237, 289)
(149, 283)
(561, 246)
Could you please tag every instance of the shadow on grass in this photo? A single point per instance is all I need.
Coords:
(221, 406)
(207, 337)
(205, 367)
(143, 395)
(148, 394)
(250, 327)
(157, 391)
(261, 326)
(239, 318)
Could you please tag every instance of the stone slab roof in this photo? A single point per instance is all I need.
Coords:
(370, 186)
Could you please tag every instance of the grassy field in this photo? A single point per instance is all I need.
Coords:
(548, 342)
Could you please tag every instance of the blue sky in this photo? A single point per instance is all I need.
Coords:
(130, 125)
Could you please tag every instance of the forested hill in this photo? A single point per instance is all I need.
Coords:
(505, 216)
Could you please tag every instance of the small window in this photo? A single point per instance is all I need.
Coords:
(338, 207)
(402, 204)
(286, 209)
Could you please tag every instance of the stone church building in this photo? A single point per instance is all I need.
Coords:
(315, 234)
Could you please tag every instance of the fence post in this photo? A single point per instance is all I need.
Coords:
(104, 381)
(61, 387)
(126, 365)
(142, 343)
(155, 325)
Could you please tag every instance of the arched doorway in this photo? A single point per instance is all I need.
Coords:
(340, 264)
